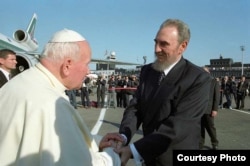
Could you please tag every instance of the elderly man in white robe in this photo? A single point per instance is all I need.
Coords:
(38, 125)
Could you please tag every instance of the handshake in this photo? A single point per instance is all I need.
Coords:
(117, 141)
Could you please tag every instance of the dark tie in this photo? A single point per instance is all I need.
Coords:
(162, 75)
(9, 76)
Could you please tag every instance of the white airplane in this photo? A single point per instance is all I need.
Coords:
(24, 44)
(111, 59)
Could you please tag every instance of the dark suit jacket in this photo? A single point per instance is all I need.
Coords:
(214, 97)
(170, 114)
(243, 89)
(3, 79)
(101, 86)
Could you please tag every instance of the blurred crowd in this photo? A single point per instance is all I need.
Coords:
(233, 90)
(119, 90)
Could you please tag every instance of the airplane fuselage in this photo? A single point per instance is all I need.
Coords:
(6, 42)
(24, 45)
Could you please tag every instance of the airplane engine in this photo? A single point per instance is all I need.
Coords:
(24, 61)
(25, 38)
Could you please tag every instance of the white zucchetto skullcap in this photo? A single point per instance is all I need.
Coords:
(66, 35)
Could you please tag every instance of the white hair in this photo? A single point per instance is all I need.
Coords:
(58, 51)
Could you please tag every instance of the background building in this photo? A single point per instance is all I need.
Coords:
(225, 66)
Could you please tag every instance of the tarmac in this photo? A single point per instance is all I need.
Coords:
(232, 125)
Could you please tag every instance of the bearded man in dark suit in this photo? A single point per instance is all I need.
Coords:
(170, 110)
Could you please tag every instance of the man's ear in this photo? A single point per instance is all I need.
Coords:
(183, 47)
(1, 61)
(66, 66)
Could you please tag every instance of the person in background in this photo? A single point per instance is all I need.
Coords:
(39, 126)
(126, 84)
(220, 80)
(112, 92)
(85, 93)
(168, 108)
(101, 90)
(207, 120)
(72, 97)
(242, 92)
(7, 64)
(119, 85)
(233, 88)
(227, 89)
(131, 88)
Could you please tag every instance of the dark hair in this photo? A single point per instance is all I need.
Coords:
(5, 52)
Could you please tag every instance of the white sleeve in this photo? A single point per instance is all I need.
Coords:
(137, 157)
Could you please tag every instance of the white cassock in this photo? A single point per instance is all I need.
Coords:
(38, 125)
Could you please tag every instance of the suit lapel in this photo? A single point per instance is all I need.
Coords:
(3, 79)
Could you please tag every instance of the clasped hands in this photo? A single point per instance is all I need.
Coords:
(116, 141)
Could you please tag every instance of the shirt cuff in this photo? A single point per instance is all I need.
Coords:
(124, 138)
(137, 157)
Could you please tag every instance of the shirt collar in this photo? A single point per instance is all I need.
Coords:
(166, 71)
(5, 73)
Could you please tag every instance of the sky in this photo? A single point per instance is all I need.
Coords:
(128, 27)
